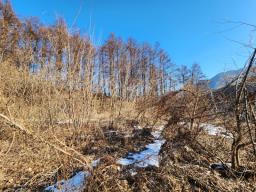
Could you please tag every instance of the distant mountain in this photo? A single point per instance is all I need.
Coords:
(222, 79)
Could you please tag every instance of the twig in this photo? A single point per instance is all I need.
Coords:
(13, 137)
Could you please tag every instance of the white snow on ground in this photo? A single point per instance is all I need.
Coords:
(216, 130)
(158, 132)
(137, 127)
(147, 157)
(96, 162)
(75, 184)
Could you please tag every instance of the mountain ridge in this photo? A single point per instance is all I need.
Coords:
(223, 78)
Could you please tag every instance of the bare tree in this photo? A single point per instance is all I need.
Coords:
(241, 112)
(183, 74)
(196, 74)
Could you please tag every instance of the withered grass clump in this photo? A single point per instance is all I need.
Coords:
(189, 162)
(107, 177)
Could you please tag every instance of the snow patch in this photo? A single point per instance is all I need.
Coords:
(137, 127)
(75, 184)
(96, 162)
(133, 172)
(158, 132)
(147, 157)
(216, 130)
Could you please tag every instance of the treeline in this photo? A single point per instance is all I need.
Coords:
(116, 68)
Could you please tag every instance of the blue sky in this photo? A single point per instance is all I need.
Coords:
(199, 31)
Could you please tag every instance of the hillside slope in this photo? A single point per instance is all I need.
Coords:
(223, 78)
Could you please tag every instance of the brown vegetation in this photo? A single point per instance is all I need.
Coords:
(65, 102)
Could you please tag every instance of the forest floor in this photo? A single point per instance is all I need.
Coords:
(150, 163)
(135, 158)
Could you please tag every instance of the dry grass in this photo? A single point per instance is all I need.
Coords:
(56, 118)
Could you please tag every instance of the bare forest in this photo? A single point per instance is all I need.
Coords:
(120, 116)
